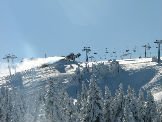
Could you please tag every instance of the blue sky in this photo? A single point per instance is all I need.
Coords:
(29, 28)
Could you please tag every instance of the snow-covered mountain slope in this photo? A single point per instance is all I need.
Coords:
(155, 82)
(26, 64)
(32, 75)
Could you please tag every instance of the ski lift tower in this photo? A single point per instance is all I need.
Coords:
(8, 57)
(13, 64)
(106, 52)
(45, 55)
(145, 46)
(91, 57)
(158, 42)
(87, 50)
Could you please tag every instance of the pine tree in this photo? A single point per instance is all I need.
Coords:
(151, 109)
(84, 92)
(52, 105)
(78, 74)
(18, 106)
(83, 101)
(94, 106)
(78, 103)
(118, 105)
(40, 116)
(68, 109)
(36, 106)
(141, 107)
(160, 111)
(133, 102)
(71, 113)
(128, 115)
(2, 108)
(114, 106)
(107, 105)
(40, 106)
(8, 105)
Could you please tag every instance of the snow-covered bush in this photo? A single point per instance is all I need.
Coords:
(114, 67)
(100, 69)
(78, 74)
(154, 59)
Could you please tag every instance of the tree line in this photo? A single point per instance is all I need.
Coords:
(91, 105)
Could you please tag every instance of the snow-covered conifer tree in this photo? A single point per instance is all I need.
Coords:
(114, 106)
(84, 92)
(118, 105)
(68, 110)
(71, 113)
(94, 111)
(78, 103)
(36, 106)
(107, 105)
(18, 106)
(132, 102)
(8, 105)
(128, 115)
(151, 109)
(78, 74)
(141, 107)
(83, 101)
(41, 105)
(2, 108)
(160, 111)
(52, 105)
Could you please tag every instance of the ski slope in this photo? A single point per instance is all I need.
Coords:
(32, 75)
(27, 64)
(155, 84)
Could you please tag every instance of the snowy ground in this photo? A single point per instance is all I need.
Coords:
(27, 64)
(139, 73)
(156, 82)
(158, 96)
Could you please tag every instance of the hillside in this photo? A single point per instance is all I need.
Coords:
(138, 73)
(52, 89)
